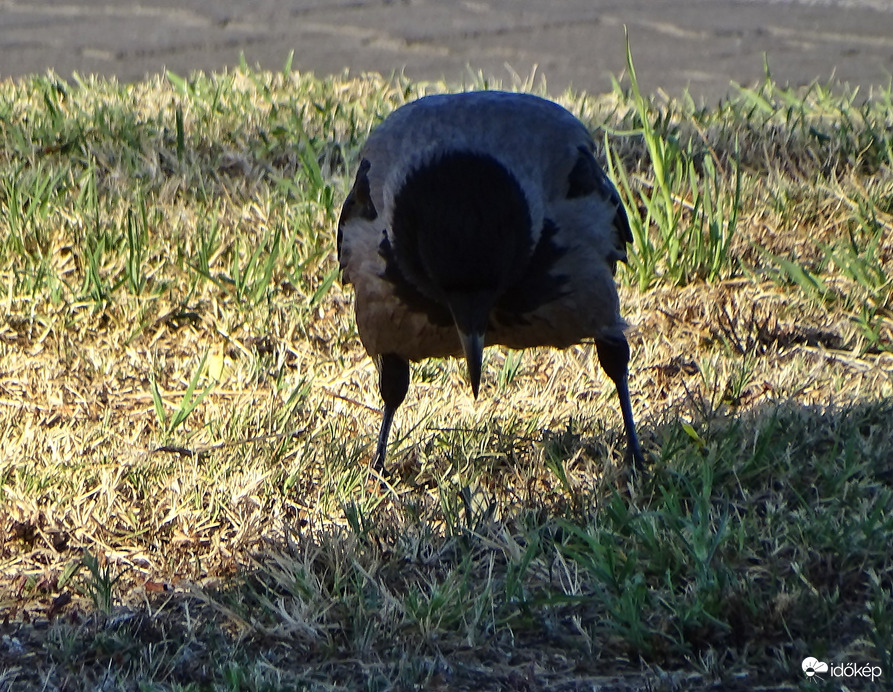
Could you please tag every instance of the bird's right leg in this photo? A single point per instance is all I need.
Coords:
(393, 383)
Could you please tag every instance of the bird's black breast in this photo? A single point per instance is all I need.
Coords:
(540, 284)
(409, 296)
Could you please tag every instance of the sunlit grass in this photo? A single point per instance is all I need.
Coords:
(188, 414)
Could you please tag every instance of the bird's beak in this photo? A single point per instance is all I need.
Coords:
(473, 346)
(471, 312)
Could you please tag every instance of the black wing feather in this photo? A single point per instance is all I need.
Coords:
(586, 178)
(358, 203)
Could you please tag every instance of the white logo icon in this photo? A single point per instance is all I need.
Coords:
(812, 665)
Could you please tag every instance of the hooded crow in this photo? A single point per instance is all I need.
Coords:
(483, 218)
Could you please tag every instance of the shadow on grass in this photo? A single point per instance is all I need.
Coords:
(757, 540)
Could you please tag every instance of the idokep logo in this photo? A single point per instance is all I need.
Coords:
(814, 668)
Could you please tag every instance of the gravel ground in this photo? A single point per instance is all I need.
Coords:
(703, 45)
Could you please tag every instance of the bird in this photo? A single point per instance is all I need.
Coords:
(482, 218)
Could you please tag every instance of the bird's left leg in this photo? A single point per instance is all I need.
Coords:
(393, 383)
(613, 354)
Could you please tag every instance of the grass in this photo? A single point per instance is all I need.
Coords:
(188, 414)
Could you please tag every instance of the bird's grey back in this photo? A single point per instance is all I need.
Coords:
(536, 139)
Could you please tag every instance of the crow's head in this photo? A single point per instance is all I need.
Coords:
(461, 234)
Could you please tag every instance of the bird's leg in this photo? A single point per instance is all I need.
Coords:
(613, 354)
(393, 383)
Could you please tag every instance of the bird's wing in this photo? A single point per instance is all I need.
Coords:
(588, 180)
(357, 207)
